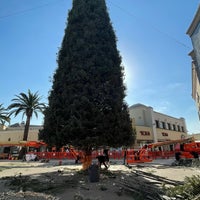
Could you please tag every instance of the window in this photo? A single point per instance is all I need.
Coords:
(182, 128)
(163, 125)
(157, 124)
(178, 128)
(169, 126)
(174, 127)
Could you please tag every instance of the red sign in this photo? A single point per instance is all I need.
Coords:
(145, 133)
(164, 134)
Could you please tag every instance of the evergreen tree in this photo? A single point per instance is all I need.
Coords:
(86, 103)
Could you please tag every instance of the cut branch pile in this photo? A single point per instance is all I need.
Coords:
(187, 163)
(146, 186)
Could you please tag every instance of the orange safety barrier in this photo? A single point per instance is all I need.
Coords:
(186, 155)
(51, 155)
(112, 154)
(137, 156)
(131, 156)
(72, 154)
(116, 154)
(144, 156)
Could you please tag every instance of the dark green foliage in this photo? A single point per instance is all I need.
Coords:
(189, 190)
(86, 103)
(4, 115)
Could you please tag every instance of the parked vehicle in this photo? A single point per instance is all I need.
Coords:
(12, 150)
(4, 152)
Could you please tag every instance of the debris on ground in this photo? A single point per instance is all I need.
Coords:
(147, 181)
(26, 195)
(146, 185)
(187, 162)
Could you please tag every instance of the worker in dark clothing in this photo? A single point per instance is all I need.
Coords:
(104, 159)
(105, 153)
(125, 154)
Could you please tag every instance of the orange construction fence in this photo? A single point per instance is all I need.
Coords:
(114, 154)
(72, 154)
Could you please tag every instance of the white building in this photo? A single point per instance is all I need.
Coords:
(194, 33)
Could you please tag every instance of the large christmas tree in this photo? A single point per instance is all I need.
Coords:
(86, 104)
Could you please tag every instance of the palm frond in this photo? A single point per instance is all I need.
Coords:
(4, 115)
(27, 104)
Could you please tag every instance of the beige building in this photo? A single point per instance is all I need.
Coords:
(194, 33)
(152, 126)
(14, 133)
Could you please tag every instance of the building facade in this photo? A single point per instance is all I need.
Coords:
(196, 136)
(14, 133)
(194, 33)
(152, 126)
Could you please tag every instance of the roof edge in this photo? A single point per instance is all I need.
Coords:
(194, 23)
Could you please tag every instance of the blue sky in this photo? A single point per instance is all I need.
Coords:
(152, 41)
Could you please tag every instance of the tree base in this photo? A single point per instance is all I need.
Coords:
(86, 162)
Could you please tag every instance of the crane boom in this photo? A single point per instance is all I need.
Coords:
(181, 141)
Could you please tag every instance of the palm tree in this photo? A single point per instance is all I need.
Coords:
(28, 104)
(3, 115)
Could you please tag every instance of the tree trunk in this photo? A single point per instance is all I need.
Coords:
(26, 129)
(22, 153)
(87, 159)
